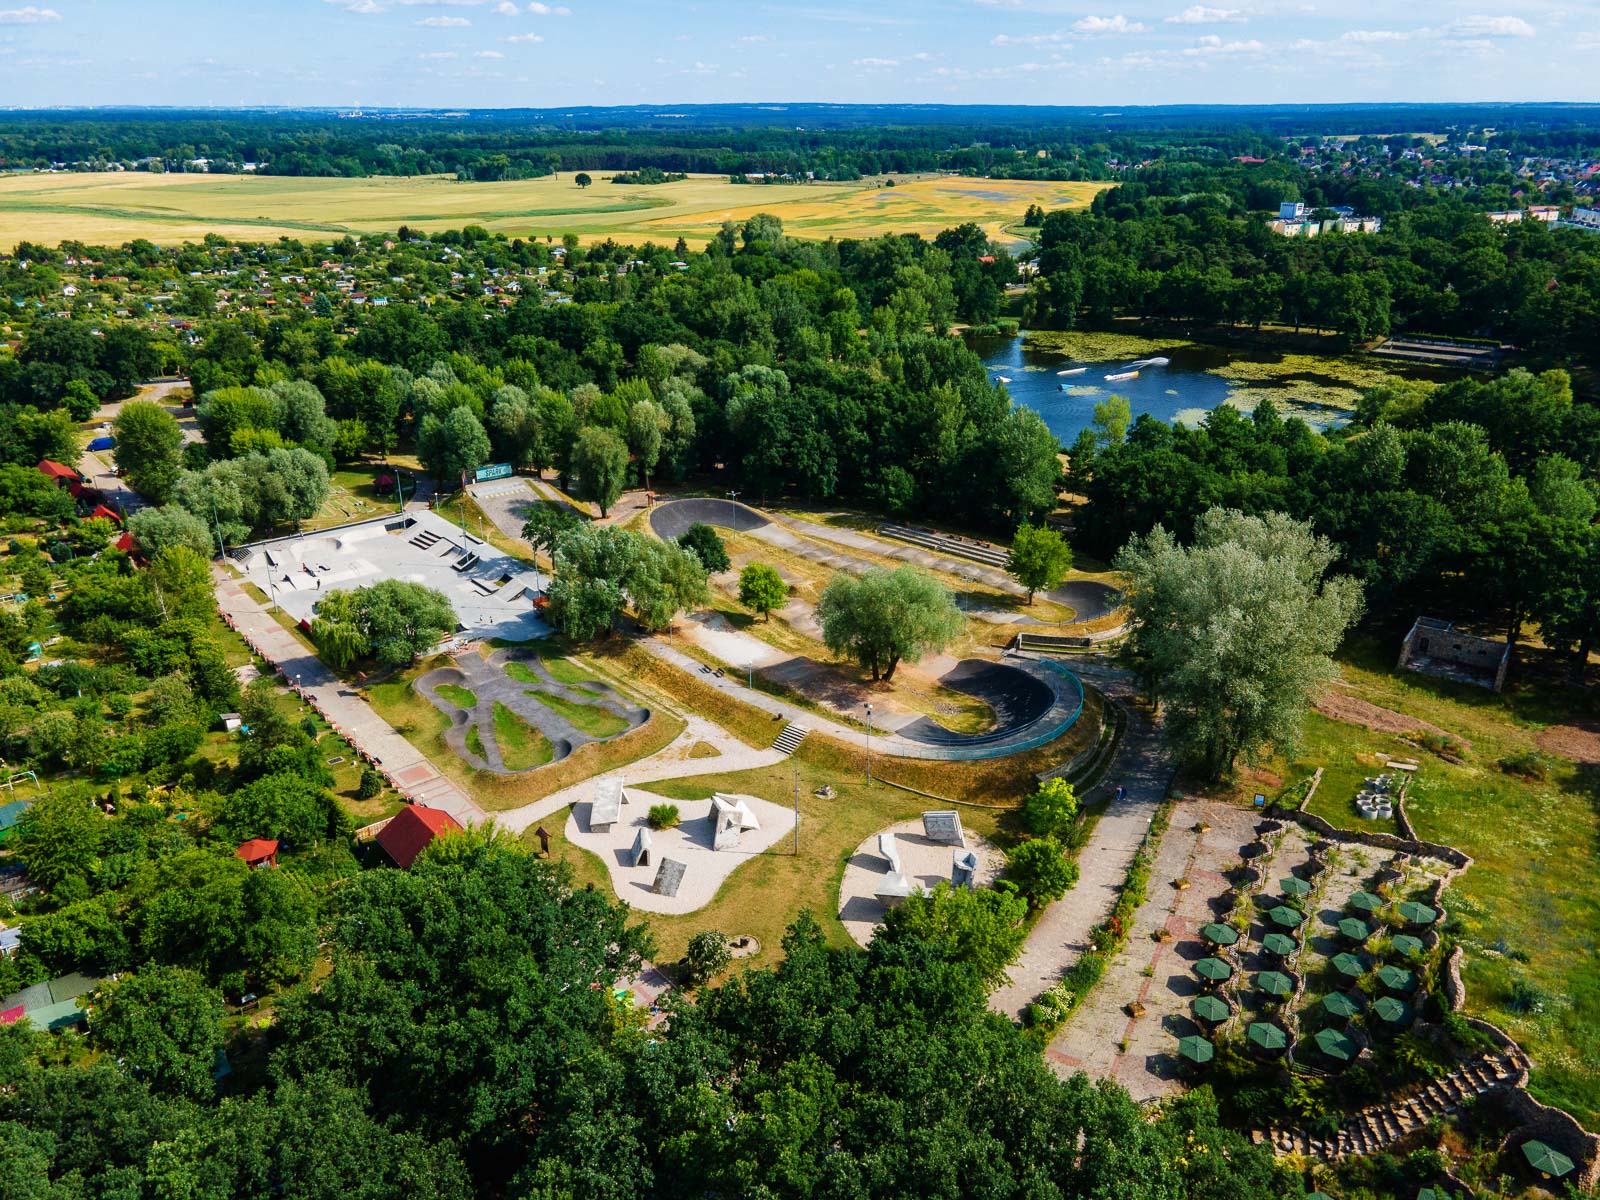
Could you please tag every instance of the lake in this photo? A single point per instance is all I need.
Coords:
(1184, 389)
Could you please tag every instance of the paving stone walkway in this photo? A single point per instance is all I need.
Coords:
(1061, 934)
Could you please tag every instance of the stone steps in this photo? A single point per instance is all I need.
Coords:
(1376, 1128)
(789, 740)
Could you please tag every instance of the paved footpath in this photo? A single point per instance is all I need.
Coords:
(412, 774)
(1062, 932)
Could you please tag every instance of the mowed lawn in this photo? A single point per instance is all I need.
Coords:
(1528, 911)
(115, 207)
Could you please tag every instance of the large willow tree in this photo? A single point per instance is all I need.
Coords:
(1235, 633)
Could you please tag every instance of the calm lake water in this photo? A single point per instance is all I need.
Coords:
(1182, 390)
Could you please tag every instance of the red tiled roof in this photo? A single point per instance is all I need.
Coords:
(257, 849)
(57, 470)
(411, 830)
(125, 543)
(110, 514)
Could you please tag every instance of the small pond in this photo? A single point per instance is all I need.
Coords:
(1192, 381)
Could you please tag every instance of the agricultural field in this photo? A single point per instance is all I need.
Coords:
(112, 208)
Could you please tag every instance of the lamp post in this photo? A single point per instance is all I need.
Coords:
(869, 745)
(733, 509)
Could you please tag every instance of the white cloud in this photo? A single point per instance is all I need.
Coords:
(488, 54)
(1200, 14)
(1030, 39)
(445, 22)
(507, 9)
(1372, 36)
(549, 10)
(874, 62)
(1212, 44)
(439, 55)
(1116, 24)
(28, 16)
(525, 37)
(1500, 27)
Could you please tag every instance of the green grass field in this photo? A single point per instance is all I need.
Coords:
(597, 722)
(521, 745)
(112, 208)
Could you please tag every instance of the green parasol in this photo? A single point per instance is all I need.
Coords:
(1546, 1160)
(1219, 934)
(1415, 913)
(1365, 902)
(1267, 1035)
(1404, 943)
(1349, 965)
(1335, 1044)
(1275, 983)
(1196, 1049)
(1394, 1012)
(1337, 1004)
(1213, 969)
(1289, 918)
(1209, 1008)
(1396, 979)
(1356, 931)
(1292, 886)
(1280, 944)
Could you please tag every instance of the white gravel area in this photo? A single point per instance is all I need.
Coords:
(688, 843)
(926, 864)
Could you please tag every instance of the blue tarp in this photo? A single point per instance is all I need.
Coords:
(103, 443)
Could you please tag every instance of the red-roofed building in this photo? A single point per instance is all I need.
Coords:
(60, 472)
(110, 514)
(124, 543)
(258, 852)
(411, 830)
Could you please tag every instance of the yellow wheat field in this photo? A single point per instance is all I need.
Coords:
(112, 208)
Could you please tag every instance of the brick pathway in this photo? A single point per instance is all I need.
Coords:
(411, 773)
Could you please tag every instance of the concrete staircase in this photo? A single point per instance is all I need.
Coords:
(1374, 1129)
(789, 740)
(943, 543)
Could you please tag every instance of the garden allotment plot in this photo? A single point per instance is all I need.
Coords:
(115, 207)
(491, 592)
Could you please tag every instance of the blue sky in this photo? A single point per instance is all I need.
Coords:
(513, 53)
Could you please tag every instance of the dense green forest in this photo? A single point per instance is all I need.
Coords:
(837, 142)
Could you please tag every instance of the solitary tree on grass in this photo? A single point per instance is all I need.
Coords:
(707, 547)
(762, 589)
(1040, 558)
(1040, 871)
(1236, 632)
(885, 616)
(582, 179)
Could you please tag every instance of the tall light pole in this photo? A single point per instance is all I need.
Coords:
(796, 767)
(733, 509)
(869, 745)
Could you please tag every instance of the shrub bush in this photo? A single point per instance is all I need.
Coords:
(1529, 764)
(662, 816)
